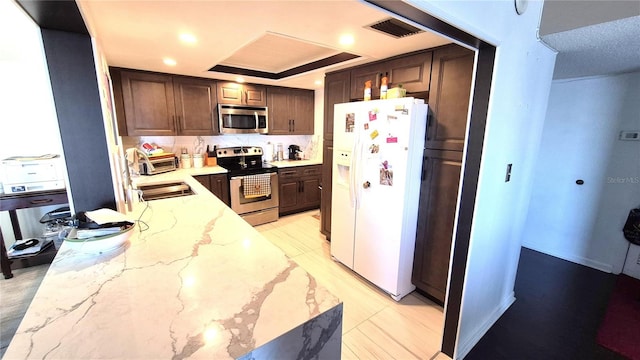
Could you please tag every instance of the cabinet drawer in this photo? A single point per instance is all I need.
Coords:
(310, 170)
(300, 171)
(288, 173)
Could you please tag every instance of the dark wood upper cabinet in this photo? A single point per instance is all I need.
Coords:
(412, 71)
(279, 111)
(290, 111)
(452, 72)
(148, 104)
(436, 215)
(152, 104)
(195, 102)
(336, 91)
(362, 74)
(241, 94)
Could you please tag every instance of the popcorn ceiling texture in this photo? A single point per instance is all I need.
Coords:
(606, 48)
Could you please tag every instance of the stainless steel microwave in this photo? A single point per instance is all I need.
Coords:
(243, 119)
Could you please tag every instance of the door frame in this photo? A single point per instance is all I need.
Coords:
(472, 158)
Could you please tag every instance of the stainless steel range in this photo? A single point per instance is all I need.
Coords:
(253, 185)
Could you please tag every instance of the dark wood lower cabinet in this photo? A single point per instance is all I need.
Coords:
(438, 199)
(217, 184)
(299, 188)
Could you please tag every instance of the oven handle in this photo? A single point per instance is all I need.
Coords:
(243, 176)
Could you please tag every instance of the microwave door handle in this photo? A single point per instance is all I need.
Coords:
(255, 113)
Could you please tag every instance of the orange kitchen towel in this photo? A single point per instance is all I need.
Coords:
(256, 185)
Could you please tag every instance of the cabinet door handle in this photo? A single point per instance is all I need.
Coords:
(40, 201)
(293, 125)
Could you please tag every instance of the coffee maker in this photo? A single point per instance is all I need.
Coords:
(294, 151)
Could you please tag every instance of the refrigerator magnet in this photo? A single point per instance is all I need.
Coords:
(350, 122)
(391, 117)
(392, 140)
(386, 174)
(374, 148)
(373, 114)
(374, 134)
(366, 126)
(402, 109)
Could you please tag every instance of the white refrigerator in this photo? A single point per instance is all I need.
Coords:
(377, 165)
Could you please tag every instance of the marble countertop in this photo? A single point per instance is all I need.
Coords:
(193, 281)
(205, 170)
(292, 163)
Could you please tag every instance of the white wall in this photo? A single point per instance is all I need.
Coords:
(584, 223)
(521, 82)
(29, 121)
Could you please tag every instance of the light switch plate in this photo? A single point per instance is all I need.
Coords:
(507, 177)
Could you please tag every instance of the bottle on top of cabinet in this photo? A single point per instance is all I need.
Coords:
(383, 86)
(367, 90)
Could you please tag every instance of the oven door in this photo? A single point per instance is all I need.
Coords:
(241, 204)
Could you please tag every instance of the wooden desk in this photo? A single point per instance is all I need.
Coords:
(13, 202)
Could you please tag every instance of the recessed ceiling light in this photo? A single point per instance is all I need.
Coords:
(188, 38)
(240, 79)
(346, 40)
(169, 61)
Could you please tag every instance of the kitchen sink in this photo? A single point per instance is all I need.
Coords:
(165, 191)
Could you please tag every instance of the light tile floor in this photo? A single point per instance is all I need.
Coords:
(374, 325)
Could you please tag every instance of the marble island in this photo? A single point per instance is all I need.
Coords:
(193, 281)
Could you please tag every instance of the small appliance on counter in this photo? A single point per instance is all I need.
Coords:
(159, 164)
(138, 161)
(22, 174)
(294, 152)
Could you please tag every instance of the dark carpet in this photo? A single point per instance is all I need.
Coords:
(620, 329)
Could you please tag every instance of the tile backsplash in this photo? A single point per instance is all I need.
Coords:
(310, 144)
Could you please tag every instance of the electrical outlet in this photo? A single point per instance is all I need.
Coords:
(629, 135)
(507, 177)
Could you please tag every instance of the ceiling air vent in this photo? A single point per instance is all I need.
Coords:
(394, 27)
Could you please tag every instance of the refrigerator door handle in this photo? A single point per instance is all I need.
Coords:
(352, 174)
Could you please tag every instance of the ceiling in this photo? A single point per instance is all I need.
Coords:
(268, 36)
(592, 37)
(273, 38)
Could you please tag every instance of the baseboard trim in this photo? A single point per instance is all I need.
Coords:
(608, 268)
(463, 349)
